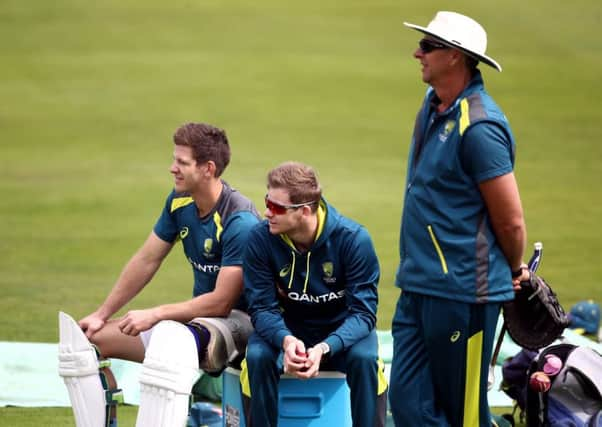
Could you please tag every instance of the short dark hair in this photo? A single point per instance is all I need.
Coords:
(207, 143)
(299, 180)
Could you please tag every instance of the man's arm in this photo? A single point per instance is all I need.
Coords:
(260, 289)
(362, 276)
(135, 275)
(488, 157)
(218, 303)
(503, 203)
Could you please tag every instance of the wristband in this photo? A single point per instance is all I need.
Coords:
(518, 273)
(325, 347)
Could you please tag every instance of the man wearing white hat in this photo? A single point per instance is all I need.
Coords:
(462, 235)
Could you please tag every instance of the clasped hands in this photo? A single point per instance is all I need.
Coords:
(298, 361)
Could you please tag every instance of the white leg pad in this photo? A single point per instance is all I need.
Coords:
(79, 367)
(169, 371)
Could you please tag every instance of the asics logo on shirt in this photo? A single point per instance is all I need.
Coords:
(183, 233)
(455, 336)
(284, 271)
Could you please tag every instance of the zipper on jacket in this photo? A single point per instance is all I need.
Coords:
(438, 249)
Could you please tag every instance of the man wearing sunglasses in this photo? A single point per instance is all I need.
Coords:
(462, 235)
(212, 221)
(310, 279)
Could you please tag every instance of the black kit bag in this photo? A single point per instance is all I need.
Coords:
(535, 318)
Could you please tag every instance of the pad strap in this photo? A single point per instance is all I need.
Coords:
(114, 396)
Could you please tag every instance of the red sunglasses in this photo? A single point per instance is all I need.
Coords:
(279, 209)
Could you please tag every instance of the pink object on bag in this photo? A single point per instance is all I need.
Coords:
(553, 364)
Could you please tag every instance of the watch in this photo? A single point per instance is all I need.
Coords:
(325, 347)
(518, 272)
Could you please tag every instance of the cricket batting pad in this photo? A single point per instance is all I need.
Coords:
(169, 371)
(79, 367)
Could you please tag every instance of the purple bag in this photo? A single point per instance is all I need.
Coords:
(515, 373)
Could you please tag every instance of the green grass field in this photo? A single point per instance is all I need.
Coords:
(92, 92)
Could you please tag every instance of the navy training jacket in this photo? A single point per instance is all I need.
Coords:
(447, 245)
(328, 293)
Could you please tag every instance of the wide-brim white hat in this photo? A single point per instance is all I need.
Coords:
(460, 32)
